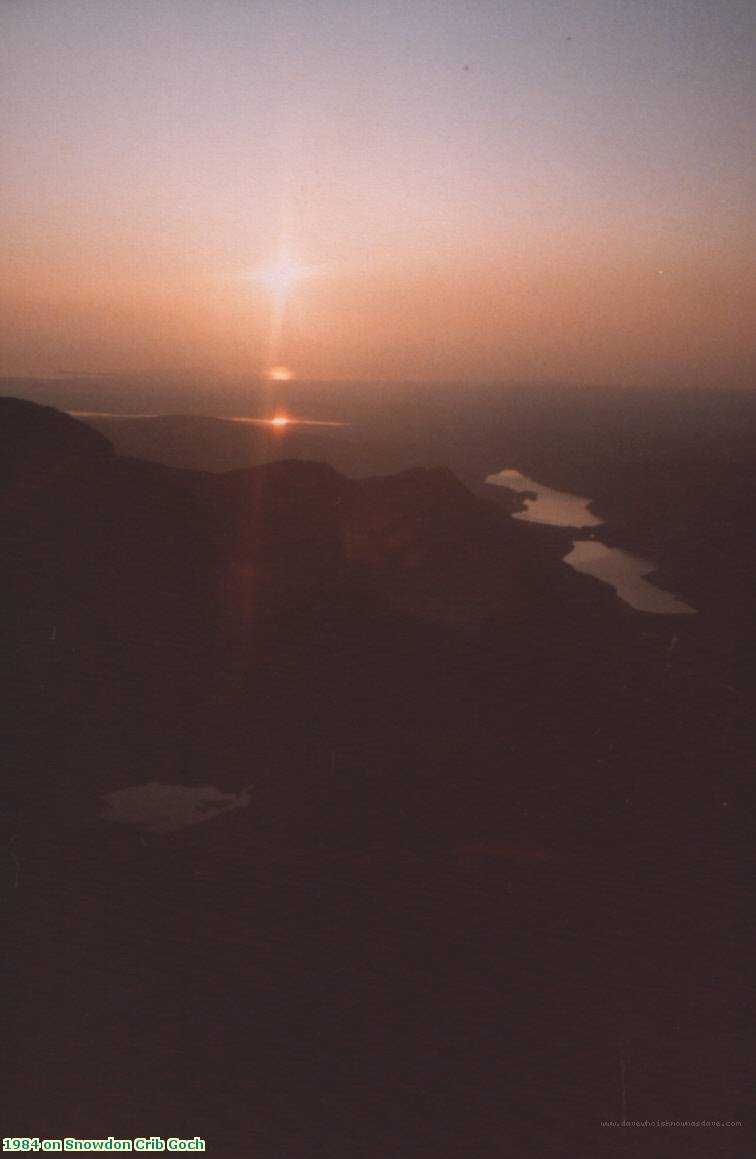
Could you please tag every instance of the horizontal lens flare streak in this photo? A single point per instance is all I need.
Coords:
(274, 420)
(282, 421)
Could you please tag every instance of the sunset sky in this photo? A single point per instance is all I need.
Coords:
(474, 190)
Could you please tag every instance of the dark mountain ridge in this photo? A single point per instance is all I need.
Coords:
(673, 478)
(479, 788)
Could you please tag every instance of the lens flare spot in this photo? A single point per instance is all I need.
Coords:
(279, 421)
(280, 374)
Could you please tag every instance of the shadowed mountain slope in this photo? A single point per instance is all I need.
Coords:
(478, 788)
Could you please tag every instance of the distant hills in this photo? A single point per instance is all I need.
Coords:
(140, 569)
(204, 443)
(674, 480)
(159, 585)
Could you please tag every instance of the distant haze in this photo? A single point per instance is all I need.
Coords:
(499, 189)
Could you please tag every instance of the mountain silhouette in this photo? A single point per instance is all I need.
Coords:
(476, 784)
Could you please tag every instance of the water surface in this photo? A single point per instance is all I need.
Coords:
(557, 508)
(624, 572)
(163, 808)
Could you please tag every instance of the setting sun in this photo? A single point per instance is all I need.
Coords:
(279, 421)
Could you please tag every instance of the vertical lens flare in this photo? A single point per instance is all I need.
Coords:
(280, 278)
(284, 274)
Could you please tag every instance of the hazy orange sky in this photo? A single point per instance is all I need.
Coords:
(519, 189)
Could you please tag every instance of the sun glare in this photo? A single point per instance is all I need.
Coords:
(282, 275)
(279, 421)
(279, 278)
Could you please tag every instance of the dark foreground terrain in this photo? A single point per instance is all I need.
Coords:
(490, 889)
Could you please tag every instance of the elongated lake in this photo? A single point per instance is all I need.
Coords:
(161, 808)
(544, 504)
(625, 572)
